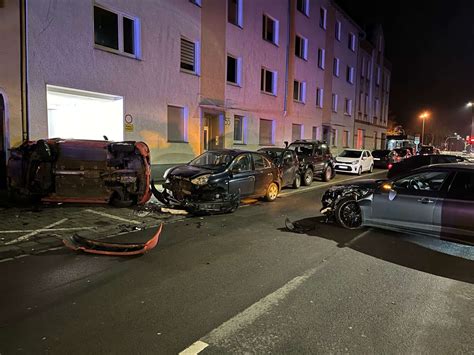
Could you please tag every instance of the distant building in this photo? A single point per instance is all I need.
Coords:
(186, 75)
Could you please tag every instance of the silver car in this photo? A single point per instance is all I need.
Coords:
(437, 200)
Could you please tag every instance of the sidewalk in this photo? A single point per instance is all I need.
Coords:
(29, 230)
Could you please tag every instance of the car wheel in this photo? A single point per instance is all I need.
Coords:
(327, 175)
(297, 181)
(371, 169)
(359, 172)
(272, 192)
(308, 177)
(116, 201)
(348, 213)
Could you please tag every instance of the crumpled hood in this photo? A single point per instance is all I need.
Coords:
(189, 171)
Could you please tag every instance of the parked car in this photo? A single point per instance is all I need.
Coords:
(383, 159)
(315, 160)
(287, 161)
(427, 150)
(67, 170)
(437, 200)
(419, 161)
(215, 181)
(403, 153)
(354, 161)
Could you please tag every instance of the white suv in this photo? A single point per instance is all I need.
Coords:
(355, 161)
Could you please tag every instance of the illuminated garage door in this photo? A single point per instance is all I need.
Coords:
(83, 114)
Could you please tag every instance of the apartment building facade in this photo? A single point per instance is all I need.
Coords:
(373, 88)
(184, 76)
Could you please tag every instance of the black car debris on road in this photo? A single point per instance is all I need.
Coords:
(215, 181)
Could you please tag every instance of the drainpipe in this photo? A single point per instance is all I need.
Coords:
(285, 104)
(25, 126)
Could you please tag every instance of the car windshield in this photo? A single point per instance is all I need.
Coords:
(212, 160)
(401, 152)
(426, 150)
(302, 148)
(380, 153)
(350, 154)
(275, 155)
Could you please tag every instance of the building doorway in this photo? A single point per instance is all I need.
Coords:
(3, 145)
(213, 131)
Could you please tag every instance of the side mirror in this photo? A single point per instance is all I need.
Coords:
(392, 194)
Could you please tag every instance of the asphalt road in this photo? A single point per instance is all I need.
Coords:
(241, 283)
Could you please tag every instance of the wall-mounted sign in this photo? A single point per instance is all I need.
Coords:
(227, 121)
(128, 124)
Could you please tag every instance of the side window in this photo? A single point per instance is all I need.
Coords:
(267, 163)
(462, 187)
(258, 162)
(426, 182)
(242, 163)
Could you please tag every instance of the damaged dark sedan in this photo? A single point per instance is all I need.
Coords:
(437, 200)
(215, 181)
(288, 163)
(84, 171)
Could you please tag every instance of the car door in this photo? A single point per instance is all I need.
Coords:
(243, 175)
(289, 166)
(454, 215)
(410, 203)
(263, 173)
(365, 161)
(319, 153)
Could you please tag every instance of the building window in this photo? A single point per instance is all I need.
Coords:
(338, 30)
(177, 126)
(116, 32)
(333, 137)
(234, 70)
(348, 106)
(376, 108)
(270, 29)
(369, 65)
(268, 81)
(234, 12)
(378, 75)
(352, 42)
(345, 139)
(239, 123)
(301, 47)
(319, 97)
(266, 134)
(350, 74)
(360, 139)
(299, 91)
(366, 104)
(362, 70)
(323, 18)
(334, 102)
(361, 99)
(303, 6)
(296, 132)
(335, 68)
(321, 58)
(188, 55)
(196, 2)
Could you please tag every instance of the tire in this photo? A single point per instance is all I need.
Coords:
(308, 177)
(272, 192)
(297, 181)
(348, 213)
(327, 174)
(359, 172)
(116, 201)
(371, 169)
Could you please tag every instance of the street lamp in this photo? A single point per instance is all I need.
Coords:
(471, 105)
(423, 116)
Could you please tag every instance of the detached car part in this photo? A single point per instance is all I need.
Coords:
(84, 171)
(78, 243)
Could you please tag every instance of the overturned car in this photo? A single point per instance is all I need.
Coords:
(215, 181)
(437, 200)
(84, 171)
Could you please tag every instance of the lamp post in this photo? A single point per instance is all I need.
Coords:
(471, 105)
(423, 116)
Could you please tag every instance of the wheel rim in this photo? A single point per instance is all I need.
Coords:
(308, 178)
(272, 191)
(297, 180)
(328, 173)
(350, 215)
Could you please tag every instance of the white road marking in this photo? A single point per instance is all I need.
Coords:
(195, 348)
(45, 230)
(103, 214)
(315, 187)
(361, 235)
(31, 234)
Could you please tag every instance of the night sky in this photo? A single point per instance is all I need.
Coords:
(431, 47)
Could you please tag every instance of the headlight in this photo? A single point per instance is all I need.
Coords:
(201, 180)
(165, 175)
(355, 162)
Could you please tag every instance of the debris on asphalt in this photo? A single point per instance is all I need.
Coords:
(295, 227)
(78, 243)
(173, 211)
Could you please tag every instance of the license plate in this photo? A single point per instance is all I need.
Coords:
(342, 167)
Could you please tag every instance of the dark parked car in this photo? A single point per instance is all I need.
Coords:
(437, 200)
(67, 170)
(315, 160)
(403, 153)
(287, 161)
(384, 159)
(419, 161)
(216, 180)
(427, 150)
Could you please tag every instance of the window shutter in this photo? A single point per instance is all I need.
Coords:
(188, 50)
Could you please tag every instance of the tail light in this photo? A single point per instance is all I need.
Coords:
(390, 166)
